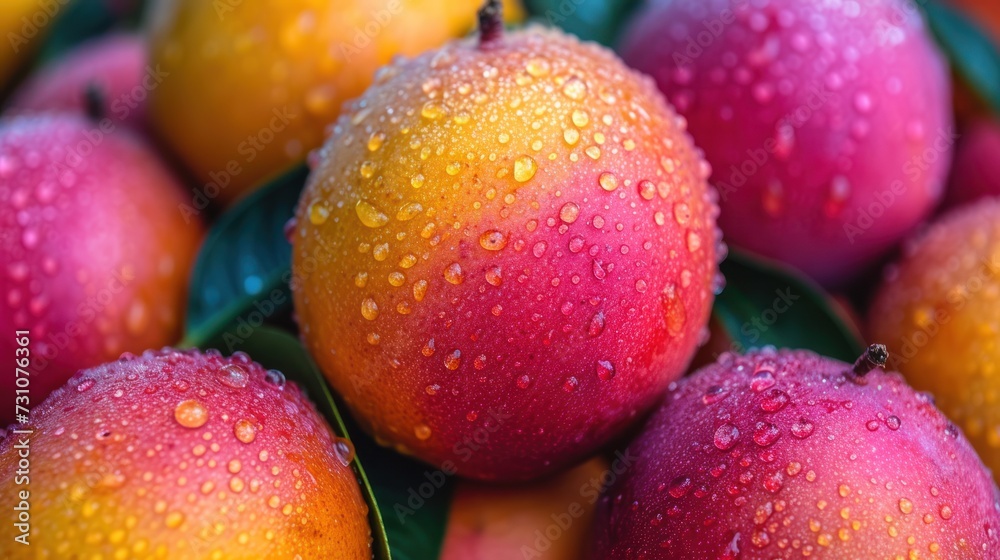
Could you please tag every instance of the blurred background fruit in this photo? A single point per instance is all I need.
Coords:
(548, 519)
(252, 86)
(110, 70)
(95, 249)
(185, 455)
(828, 125)
(780, 454)
(23, 24)
(510, 237)
(975, 173)
(939, 312)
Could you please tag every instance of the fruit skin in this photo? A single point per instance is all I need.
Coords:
(975, 173)
(252, 87)
(115, 64)
(115, 473)
(822, 141)
(849, 467)
(937, 311)
(510, 363)
(95, 251)
(548, 519)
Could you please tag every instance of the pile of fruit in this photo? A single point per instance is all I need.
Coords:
(484, 280)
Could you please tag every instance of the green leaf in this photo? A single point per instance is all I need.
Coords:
(592, 20)
(971, 52)
(766, 304)
(243, 267)
(275, 349)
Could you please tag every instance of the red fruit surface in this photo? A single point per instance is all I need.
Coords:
(94, 248)
(184, 455)
(786, 454)
(505, 252)
(115, 65)
(827, 124)
(975, 173)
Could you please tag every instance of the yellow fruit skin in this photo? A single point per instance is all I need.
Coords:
(549, 519)
(16, 43)
(513, 243)
(252, 85)
(938, 311)
(180, 455)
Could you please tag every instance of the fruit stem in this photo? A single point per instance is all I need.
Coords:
(490, 22)
(875, 356)
(93, 101)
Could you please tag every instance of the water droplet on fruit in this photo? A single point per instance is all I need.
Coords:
(570, 384)
(191, 414)
(344, 450)
(422, 431)
(369, 215)
(679, 486)
(569, 212)
(605, 370)
(761, 381)
(714, 394)
(524, 169)
(765, 434)
(802, 428)
(232, 375)
(492, 240)
(608, 181)
(369, 309)
(453, 274)
(726, 436)
(893, 422)
(453, 360)
(774, 400)
(245, 430)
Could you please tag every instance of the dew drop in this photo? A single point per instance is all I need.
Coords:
(232, 375)
(492, 240)
(191, 414)
(524, 169)
(774, 400)
(714, 394)
(453, 360)
(453, 274)
(569, 212)
(679, 486)
(893, 422)
(369, 215)
(605, 370)
(369, 309)
(245, 431)
(765, 434)
(726, 436)
(802, 428)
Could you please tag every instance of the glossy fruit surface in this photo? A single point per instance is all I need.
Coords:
(253, 85)
(828, 124)
(938, 310)
(95, 249)
(185, 455)
(111, 70)
(505, 252)
(786, 454)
